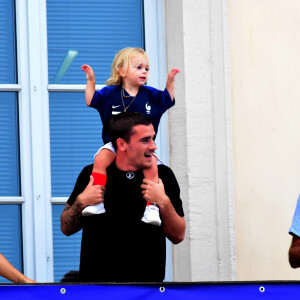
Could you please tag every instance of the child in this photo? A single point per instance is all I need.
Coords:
(125, 90)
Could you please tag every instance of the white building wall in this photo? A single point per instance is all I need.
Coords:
(200, 137)
(265, 73)
(245, 124)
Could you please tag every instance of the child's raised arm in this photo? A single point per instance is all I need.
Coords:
(170, 86)
(90, 84)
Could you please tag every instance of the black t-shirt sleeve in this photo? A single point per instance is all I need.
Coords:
(81, 183)
(171, 188)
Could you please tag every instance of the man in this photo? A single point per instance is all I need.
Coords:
(117, 246)
(294, 252)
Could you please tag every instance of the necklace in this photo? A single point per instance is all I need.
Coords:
(123, 95)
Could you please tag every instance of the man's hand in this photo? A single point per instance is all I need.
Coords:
(173, 225)
(71, 217)
(154, 192)
(92, 194)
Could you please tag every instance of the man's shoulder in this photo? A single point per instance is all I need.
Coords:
(111, 167)
(81, 183)
(87, 170)
(165, 171)
(163, 167)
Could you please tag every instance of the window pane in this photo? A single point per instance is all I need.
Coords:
(75, 136)
(90, 32)
(66, 249)
(10, 236)
(9, 146)
(7, 45)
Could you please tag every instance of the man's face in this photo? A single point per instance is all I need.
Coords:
(141, 147)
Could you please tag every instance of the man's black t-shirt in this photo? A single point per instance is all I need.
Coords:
(117, 246)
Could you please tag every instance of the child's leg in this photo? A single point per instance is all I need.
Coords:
(151, 214)
(152, 172)
(102, 160)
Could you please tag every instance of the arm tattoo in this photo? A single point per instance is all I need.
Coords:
(71, 218)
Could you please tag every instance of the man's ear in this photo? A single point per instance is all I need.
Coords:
(122, 145)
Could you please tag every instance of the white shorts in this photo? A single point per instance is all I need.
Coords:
(110, 147)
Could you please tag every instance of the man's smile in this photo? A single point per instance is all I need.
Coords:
(148, 156)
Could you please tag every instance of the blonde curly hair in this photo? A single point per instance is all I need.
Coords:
(123, 61)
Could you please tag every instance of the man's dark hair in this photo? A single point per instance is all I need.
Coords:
(122, 124)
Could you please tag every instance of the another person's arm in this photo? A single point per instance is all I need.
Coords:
(173, 224)
(90, 84)
(294, 252)
(170, 86)
(71, 217)
(9, 272)
(294, 231)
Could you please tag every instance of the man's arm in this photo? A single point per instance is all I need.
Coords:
(294, 252)
(173, 224)
(71, 217)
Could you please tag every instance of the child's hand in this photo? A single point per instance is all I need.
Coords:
(88, 71)
(170, 86)
(172, 74)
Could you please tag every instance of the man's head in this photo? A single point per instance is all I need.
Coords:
(132, 135)
(121, 126)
